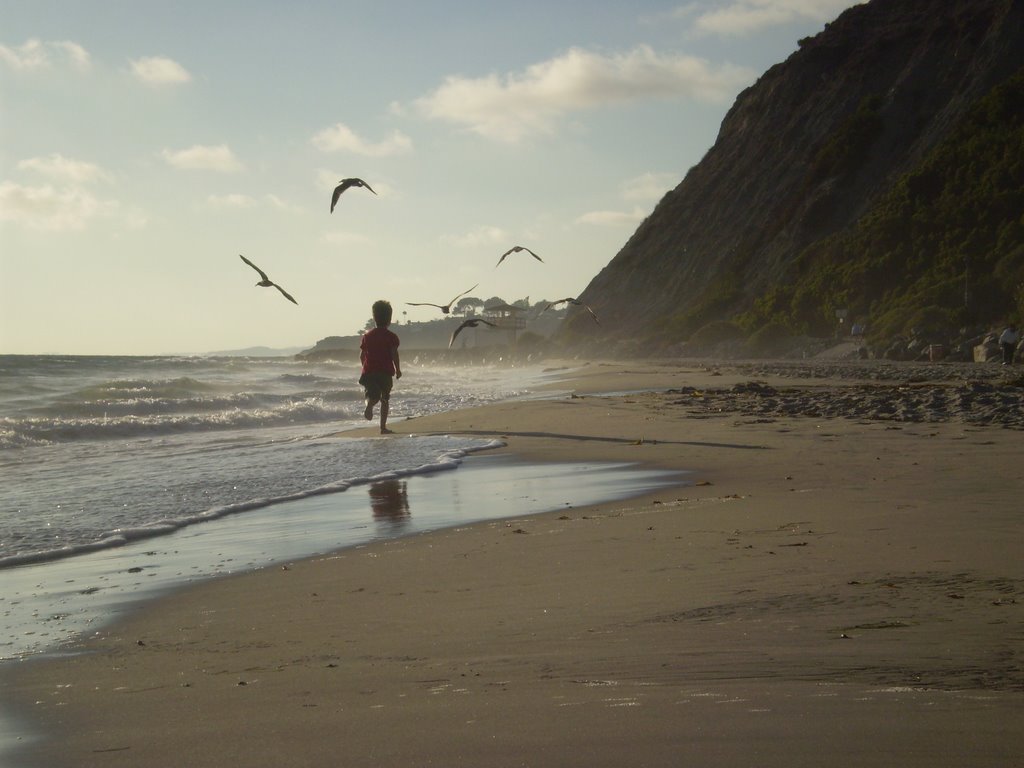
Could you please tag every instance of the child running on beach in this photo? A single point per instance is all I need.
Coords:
(378, 352)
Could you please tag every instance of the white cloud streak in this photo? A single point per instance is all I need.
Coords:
(518, 105)
(232, 200)
(204, 158)
(650, 186)
(613, 218)
(35, 55)
(60, 168)
(159, 71)
(481, 236)
(745, 17)
(56, 209)
(340, 138)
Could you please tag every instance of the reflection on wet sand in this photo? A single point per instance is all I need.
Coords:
(390, 501)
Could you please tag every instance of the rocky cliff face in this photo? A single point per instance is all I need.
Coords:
(802, 154)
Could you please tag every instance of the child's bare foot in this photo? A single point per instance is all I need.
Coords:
(386, 431)
(368, 413)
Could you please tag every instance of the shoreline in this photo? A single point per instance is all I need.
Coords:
(822, 578)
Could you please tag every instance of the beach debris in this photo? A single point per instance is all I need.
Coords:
(266, 282)
(472, 322)
(518, 249)
(345, 184)
(754, 388)
(445, 308)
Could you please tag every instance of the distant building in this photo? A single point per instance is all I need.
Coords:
(506, 317)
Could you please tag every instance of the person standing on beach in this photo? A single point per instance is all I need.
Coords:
(1008, 341)
(378, 352)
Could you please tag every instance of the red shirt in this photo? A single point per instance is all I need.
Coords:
(376, 349)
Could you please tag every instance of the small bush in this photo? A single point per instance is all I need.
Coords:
(770, 339)
(715, 333)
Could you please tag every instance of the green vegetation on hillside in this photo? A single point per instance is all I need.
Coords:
(944, 248)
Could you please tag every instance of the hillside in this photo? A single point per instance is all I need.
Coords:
(878, 170)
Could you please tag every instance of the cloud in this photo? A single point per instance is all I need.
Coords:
(517, 105)
(481, 236)
(345, 238)
(645, 187)
(281, 204)
(61, 168)
(233, 200)
(38, 54)
(744, 17)
(56, 209)
(204, 158)
(340, 138)
(649, 186)
(240, 201)
(613, 218)
(159, 70)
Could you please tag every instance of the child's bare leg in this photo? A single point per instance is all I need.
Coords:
(370, 402)
(385, 406)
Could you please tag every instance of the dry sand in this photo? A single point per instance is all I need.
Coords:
(841, 585)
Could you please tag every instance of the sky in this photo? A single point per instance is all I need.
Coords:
(145, 145)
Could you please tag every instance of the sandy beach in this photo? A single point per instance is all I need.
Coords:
(839, 583)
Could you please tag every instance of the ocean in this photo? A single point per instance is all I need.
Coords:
(124, 476)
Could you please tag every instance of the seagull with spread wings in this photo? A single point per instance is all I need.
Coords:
(472, 322)
(266, 282)
(345, 184)
(445, 308)
(575, 302)
(517, 249)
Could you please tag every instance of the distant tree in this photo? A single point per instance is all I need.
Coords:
(522, 303)
(467, 306)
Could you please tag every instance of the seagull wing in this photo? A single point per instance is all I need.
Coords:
(462, 294)
(538, 258)
(262, 273)
(285, 293)
(342, 186)
(506, 253)
(363, 183)
(592, 314)
(458, 331)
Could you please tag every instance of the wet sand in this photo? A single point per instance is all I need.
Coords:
(841, 585)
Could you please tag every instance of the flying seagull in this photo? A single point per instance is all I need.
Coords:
(573, 301)
(265, 282)
(471, 323)
(517, 249)
(445, 308)
(345, 184)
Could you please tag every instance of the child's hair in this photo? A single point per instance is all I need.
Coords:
(382, 313)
